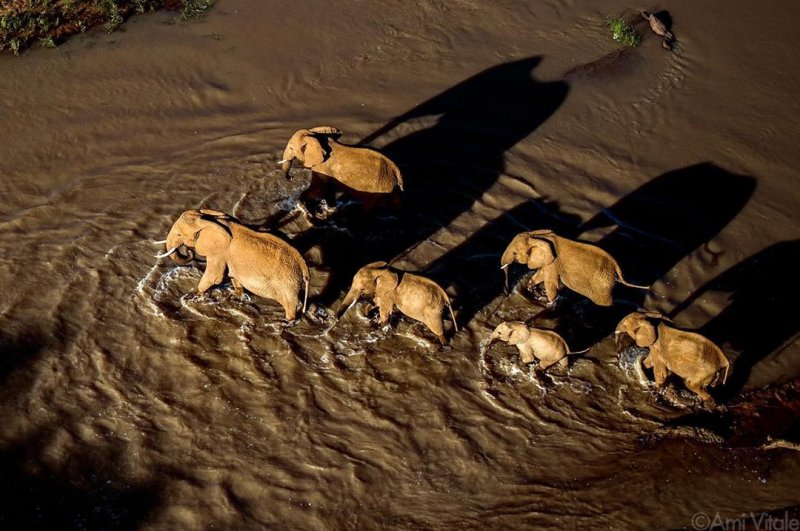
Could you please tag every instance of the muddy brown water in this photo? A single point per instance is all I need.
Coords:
(127, 403)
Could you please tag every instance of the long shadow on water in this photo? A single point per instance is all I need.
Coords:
(446, 166)
(761, 317)
(86, 494)
(657, 225)
(83, 490)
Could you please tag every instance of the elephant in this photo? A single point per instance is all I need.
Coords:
(262, 263)
(415, 296)
(534, 343)
(694, 358)
(364, 172)
(582, 267)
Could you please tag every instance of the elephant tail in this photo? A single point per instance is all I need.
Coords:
(450, 307)
(727, 365)
(452, 317)
(305, 291)
(398, 177)
(624, 282)
(579, 351)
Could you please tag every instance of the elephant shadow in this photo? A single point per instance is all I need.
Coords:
(20, 349)
(758, 321)
(446, 166)
(655, 227)
(82, 491)
(84, 494)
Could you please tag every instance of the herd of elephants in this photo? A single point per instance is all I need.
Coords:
(664, 230)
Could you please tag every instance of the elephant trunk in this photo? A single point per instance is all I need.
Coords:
(293, 148)
(174, 242)
(506, 260)
(286, 163)
(494, 336)
(618, 336)
(348, 301)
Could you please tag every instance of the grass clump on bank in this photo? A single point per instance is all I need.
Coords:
(622, 31)
(23, 23)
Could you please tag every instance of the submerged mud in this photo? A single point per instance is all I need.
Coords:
(130, 403)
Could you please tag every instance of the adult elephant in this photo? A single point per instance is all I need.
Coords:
(259, 262)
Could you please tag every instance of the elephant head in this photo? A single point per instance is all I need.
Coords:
(372, 279)
(512, 332)
(305, 146)
(641, 326)
(535, 248)
(197, 230)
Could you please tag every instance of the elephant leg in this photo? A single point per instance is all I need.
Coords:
(213, 275)
(550, 275)
(564, 362)
(384, 310)
(545, 364)
(698, 388)
(436, 325)
(237, 286)
(660, 373)
(535, 280)
(289, 304)
(526, 354)
(648, 362)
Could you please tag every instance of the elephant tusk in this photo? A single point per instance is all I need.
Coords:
(160, 242)
(281, 161)
(166, 254)
(504, 266)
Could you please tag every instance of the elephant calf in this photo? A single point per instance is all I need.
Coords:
(417, 297)
(534, 343)
(260, 262)
(582, 267)
(694, 358)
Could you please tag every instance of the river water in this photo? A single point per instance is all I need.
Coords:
(129, 403)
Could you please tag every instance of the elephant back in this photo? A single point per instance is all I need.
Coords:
(276, 257)
(585, 268)
(363, 169)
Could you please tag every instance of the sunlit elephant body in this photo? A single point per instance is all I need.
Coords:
(362, 172)
(582, 267)
(415, 296)
(694, 358)
(533, 343)
(261, 263)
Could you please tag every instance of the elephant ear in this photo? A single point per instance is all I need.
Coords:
(386, 281)
(213, 213)
(212, 239)
(326, 130)
(541, 252)
(313, 153)
(644, 334)
(519, 333)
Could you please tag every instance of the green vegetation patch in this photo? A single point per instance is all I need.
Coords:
(24, 23)
(622, 31)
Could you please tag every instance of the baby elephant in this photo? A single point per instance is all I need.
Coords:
(362, 171)
(417, 297)
(534, 343)
(689, 355)
(259, 262)
(582, 267)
